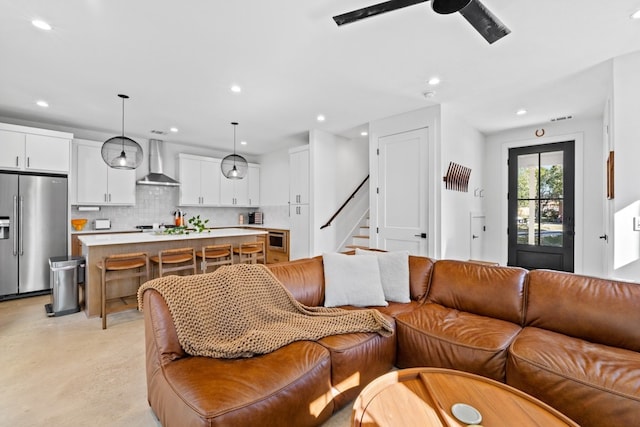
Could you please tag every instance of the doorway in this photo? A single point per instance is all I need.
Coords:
(541, 204)
(403, 191)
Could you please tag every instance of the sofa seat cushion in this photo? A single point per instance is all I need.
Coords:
(396, 308)
(594, 384)
(290, 386)
(437, 336)
(356, 360)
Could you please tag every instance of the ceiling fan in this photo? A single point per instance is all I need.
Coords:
(485, 22)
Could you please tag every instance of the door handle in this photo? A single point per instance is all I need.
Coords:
(421, 235)
(604, 237)
(21, 225)
(15, 230)
(473, 236)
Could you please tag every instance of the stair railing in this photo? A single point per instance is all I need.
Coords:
(353, 195)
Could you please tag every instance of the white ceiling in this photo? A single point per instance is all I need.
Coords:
(177, 61)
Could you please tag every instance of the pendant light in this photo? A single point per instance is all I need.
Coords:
(121, 152)
(234, 166)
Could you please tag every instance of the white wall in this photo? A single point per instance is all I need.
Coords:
(626, 144)
(338, 165)
(590, 196)
(464, 145)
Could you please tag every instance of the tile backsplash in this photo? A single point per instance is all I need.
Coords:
(157, 204)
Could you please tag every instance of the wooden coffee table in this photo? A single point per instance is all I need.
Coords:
(425, 396)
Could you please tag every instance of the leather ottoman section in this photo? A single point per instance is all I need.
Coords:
(290, 386)
(356, 360)
(436, 336)
(594, 384)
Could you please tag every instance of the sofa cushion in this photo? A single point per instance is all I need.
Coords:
(437, 336)
(496, 292)
(304, 278)
(261, 390)
(594, 384)
(394, 273)
(582, 307)
(352, 280)
(356, 360)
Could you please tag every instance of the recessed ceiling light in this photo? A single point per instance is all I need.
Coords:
(173, 129)
(243, 142)
(521, 112)
(41, 24)
(636, 14)
(236, 88)
(364, 133)
(433, 81)
(321, 118)
(41, 103)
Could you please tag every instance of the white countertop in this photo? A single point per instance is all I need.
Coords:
(151, 237)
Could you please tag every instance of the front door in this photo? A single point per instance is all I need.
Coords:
(541, 206)
(403, 191)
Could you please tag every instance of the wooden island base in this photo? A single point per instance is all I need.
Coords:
(96, 247)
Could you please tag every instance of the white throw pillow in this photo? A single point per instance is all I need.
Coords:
(394, 273)
(351, 280)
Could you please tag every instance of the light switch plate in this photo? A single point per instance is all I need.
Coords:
(636, 223)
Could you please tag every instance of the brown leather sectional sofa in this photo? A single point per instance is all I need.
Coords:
(569, 340)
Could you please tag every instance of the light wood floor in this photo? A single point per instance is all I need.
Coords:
(67, 371)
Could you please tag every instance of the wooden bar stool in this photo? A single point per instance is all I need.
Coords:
(119, 267)
(172, 260)
(215, 256)
(250, 253)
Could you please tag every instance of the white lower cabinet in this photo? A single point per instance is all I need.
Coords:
(199, 180)
(97, 183)
(299, 235)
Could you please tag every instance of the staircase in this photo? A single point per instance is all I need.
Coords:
(361, 239)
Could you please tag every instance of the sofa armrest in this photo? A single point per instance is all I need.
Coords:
(161, 338)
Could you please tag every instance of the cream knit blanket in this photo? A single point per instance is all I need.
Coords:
(242, 310)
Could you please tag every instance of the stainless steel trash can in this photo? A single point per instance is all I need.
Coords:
(66, 273)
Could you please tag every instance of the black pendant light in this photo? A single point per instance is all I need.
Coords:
(121, 152)
(234, 166)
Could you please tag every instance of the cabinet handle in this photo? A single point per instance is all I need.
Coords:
(28, 161)
(17, 161)
(105, 197)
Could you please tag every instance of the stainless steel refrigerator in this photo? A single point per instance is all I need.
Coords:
(33, 228)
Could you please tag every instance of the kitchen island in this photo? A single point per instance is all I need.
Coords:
(97, 246)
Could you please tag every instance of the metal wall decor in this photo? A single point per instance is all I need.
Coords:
(457, 177)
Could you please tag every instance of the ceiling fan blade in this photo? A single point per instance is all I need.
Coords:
(485, 22)
(377, 9)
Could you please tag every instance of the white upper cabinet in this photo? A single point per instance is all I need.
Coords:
(253, 179)
(299, 176)
(241, 192)
(37, 152)
(97, 183)
(199, 180)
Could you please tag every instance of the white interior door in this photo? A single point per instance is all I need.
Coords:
(477, 236)
(403, 191)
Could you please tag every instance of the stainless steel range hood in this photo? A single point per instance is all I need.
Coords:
(156, 175)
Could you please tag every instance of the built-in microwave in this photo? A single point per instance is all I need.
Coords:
(277, 241)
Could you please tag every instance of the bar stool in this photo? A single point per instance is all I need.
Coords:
(250, 253)
(215, 256)
(119, 267)
(172, 260)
